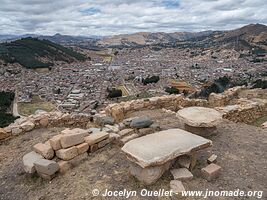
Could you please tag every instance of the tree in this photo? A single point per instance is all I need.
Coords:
(152, 79)
(172, 90)
(113, 93)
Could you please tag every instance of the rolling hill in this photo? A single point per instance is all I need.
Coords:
(35, 53)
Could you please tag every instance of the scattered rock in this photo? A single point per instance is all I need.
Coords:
(28, 161)
(47, 167)
(182, 174)
(212, 158)
(211, 171)
(45, 150)
(142, 122)
(264, 125)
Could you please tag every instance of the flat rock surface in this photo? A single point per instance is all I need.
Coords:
(161, 147)
(199, 116)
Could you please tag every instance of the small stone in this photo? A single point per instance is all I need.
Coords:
(211, 171)
(67, 154)
(64, 166)
(82, 148)
(47, 167)
(182, 174)
(44, 121)
(28, 161)
(126, 132)
(212, 159)
(45, 150)
(96, 138)
(177, 187)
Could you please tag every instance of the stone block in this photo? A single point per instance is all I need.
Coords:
(45, 150)
(82, 148)
(177, 187)
(145, 131)
(27, 126)
(184, 161)
(55, 142)
(47, 167)
(28, 161)
(47, 177)
(126, 132)
(67, 154)
(3, 134)
(128, 138)
(182, 174)
(93, 148)
(103, 143)
(71, 139)
(64, 166)
(142, 122)
(211, 171)
(96, 138)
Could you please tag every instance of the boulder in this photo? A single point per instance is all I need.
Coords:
(142, 122)
(47, 167)
(199, 116)
(28, 161)
(148, 175)
(45, 150)
(3, 134)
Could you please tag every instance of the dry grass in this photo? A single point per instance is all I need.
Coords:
(27, 109)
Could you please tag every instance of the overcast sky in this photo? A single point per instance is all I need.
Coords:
(107, 17)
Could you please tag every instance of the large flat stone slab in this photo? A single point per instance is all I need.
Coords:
(199, 116)
(161, 147)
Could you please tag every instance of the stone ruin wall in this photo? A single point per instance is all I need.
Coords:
(244, 110)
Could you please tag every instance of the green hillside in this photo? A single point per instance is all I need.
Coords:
(31, 53)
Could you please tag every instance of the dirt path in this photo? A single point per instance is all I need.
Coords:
(241, 151)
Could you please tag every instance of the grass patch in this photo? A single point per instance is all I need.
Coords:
(27, 109)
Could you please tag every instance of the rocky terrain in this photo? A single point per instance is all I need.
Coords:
(91, 158)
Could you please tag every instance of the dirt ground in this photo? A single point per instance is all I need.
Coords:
(241, 151)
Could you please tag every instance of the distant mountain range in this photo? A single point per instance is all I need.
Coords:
(245, 38)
